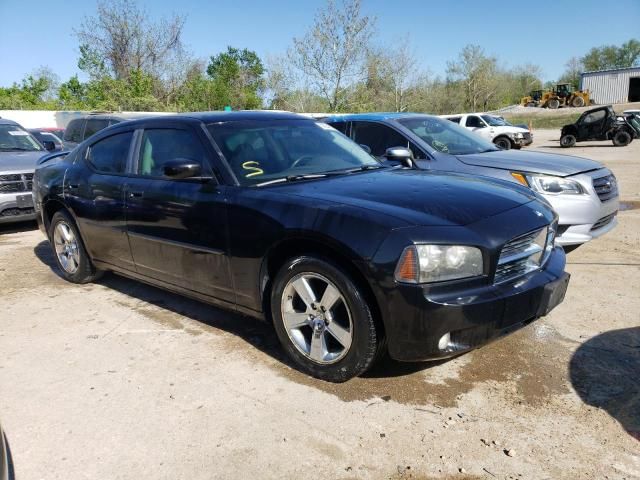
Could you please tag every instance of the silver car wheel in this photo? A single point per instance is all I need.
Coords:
(316, 318)
(66, 246)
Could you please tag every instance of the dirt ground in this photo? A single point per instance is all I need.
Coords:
(119, 380)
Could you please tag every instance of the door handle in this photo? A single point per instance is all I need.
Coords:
(135, 194)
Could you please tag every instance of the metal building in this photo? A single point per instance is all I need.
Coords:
(618, 85)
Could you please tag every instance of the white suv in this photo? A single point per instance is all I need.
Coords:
(493, 128)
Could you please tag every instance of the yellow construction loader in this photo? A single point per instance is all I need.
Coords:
(562, 95)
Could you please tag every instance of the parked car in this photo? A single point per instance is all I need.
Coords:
(495, 129)
(19, 152)
(583, 192)
(278, 216)
(601, 123)
(49, 141)
(81, 128)
(5, 462)
(57, 131)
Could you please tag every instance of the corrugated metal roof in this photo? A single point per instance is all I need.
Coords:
(611, 70)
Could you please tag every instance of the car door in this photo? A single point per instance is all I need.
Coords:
(477, 125)
(593, 124)
(178, 228)
(95, 192)
(379, 137)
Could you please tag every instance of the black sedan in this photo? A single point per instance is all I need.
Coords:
(283, 218)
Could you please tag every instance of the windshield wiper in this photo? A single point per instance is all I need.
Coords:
(291, 178)
(361, 168)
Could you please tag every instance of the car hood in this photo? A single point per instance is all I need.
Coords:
(534, 162)
(19, 161)
(416, 196)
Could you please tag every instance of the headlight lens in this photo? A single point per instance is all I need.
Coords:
(549, 184)
(436, 263)
(517, 135)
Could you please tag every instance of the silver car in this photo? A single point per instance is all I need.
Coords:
(19, 153)
(583, 192)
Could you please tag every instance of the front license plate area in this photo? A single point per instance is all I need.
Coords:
(24, 201)
(553, 295)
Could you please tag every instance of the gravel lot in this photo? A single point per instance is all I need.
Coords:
(119, 380)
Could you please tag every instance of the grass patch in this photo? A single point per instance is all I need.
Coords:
(543, 120)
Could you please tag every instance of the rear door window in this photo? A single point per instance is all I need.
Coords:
(94, 125)
(162, 145)
(109, 155)
(455, 119)
(342, 127)
(73, 132)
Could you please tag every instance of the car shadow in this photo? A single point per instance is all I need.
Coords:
(609, 145)
(604, 372)
(259, 334)
(10, 465)
(19, 227)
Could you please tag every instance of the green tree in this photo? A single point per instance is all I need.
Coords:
(238, 78)
(612, 56)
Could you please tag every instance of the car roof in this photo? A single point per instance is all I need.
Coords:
(377, 116)
(6, 121)
(211, 117)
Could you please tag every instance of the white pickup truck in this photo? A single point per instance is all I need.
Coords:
(493, 128)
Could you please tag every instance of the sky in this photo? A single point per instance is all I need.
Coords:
(544, 32)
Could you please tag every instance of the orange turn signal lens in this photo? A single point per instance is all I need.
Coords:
(407, 269)
(520, 178)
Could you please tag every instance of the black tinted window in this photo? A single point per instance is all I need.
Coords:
(377, 137)
(454, 120)
(94, 125)
(340, 126)
(595, 116)
(109, 155)
(73, 132)
(160, 146)
(474, 121)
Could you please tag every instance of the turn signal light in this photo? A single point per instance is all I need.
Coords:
(407, 269)
(520, 178)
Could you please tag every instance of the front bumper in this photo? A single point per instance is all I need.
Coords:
(16, 207)
(523, 142)
(472, 317)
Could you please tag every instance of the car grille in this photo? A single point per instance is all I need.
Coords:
(524, 254)
(606, 187)
(16, 182)
(604, 221)
(14, 212)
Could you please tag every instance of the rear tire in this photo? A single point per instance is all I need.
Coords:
(567, 140)
(503, 143)
(553, 104)
(621, 138)
(68, 250)
(332, 337)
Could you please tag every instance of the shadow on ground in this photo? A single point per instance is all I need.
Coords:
(260, 335)
(605, 371)
(19, 227)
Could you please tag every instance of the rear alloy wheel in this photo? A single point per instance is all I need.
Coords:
(70, 254)
(553, 104)
(577, 102)
(322, 320)
(621, 138)
(502, 143)
(567, 140)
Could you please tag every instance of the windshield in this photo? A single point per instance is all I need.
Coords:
(259, 151)
(446, 136)
(495, 121)
(14, 138)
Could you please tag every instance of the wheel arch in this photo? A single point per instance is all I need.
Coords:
(505, 137)
(296, 246)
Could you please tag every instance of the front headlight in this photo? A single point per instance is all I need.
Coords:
(518, 135)
(436, 263)
(549, 184)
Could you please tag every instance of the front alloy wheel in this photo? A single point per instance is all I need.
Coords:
(317, 318)
(323, 319)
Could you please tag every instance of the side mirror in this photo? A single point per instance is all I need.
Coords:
(366, 148)
(180, 168)
(400, 154)
(49, 145)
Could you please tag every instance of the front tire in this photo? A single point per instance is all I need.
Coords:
(68, 250)
(553, 104)
(502, 143)
(567, 140)
(323, 320)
